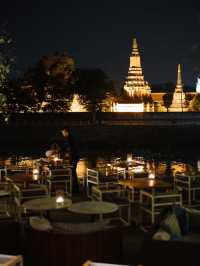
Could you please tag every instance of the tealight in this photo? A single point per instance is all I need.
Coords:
(60, 200)
(56, 159)
(35, 176)
(35, 171)
(151, 176)
(129, 157)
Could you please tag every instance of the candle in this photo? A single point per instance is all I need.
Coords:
(60, 200)
(151, 176)
(35, 176)
(35, 171)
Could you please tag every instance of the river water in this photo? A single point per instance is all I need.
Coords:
(163, 163)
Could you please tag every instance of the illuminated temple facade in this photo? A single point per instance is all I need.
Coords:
(135, 85)
(140, 97)
(179, 100)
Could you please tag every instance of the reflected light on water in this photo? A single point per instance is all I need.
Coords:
(81, 169)
(151, 182)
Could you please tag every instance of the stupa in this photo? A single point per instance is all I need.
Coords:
(178, 102)
(135, 85)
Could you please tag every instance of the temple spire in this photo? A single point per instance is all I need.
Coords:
(135, 50)
(179, 84)
(135, 85)
(179, 101)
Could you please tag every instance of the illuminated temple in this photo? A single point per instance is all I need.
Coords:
(135, 85)
(179, 101)
(139, 97)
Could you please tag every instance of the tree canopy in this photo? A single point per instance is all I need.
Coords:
(45, 86)
(94, 87)
(5, 68)
(51, 84)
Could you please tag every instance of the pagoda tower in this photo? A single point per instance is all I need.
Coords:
(178, 102)
(135, 84)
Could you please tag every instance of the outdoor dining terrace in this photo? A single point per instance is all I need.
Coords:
(114, 218)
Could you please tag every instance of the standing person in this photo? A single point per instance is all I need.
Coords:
(69, 152)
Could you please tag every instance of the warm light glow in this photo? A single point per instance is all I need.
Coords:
(76, 106)
(178, 167)
(35, 171)
(151, 176)
(129, 108)
(129, 157)
(35, 174)
(56, 159)
(138, 169)
(35, 177)
(81, 168)
(151, 182)
(59, 199)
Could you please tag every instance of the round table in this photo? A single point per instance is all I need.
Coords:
(46, 204)
(94, 208)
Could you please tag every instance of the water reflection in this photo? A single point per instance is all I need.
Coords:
(162, 167)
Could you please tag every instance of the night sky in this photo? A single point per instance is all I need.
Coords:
(98, 34)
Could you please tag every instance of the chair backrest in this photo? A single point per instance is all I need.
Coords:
(60, 174)
(19, 169)
(92, 176)
(33, 191)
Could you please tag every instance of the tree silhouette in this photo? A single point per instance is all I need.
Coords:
(93, 86)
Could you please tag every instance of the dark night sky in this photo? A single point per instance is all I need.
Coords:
(99, 34)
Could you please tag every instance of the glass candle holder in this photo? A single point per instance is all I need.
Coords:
(60, 200)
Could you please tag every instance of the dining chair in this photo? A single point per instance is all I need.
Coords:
(153, 202)
(21, 194)
(189, 186)
(60, 179)
(5, 199)
(98, 177)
